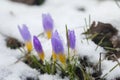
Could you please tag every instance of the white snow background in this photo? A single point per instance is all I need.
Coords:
(63, 12)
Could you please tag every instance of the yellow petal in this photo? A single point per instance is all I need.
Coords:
(62, 58)
(49, 34)
(54, 56)
(42, 56)
(29, 46)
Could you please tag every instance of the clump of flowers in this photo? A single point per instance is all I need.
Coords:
(67, 66)
(47, 24)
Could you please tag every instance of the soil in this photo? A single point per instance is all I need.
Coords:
(30, 2)
(30, 78)
(103, 30)
(79, 73)
(108, 38)
(82, 9)
(13, 43)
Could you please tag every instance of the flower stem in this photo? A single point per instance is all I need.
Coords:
(68, 44)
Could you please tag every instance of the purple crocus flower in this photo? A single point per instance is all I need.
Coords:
(26, 36)
(38, 47)
(72, 39)
(47, 24)
(25, 32)
(58, 50)
(57, 43)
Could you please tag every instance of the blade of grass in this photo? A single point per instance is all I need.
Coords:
(100, 43)
(110, 48)
(36, 61)
(86, 30)
(116, 59)
(60, 67)
(100, 63)
(68, 44)
(41, 34)
(93, 36)
(89, 21)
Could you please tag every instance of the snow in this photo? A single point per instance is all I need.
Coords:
(107, 66)
(63, 12)
(51, 77)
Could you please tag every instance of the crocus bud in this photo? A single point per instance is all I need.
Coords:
(38, 48)
(57, 46)
(26, 36)
(47, 24)
(72, 39)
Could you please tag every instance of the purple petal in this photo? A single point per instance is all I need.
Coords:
(37, 45)
(72, 39)
(47, 22)
(57, 43)
(25, 32)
